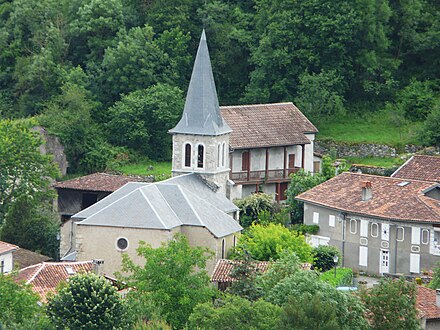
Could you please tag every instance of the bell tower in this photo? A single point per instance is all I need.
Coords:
(201, 138)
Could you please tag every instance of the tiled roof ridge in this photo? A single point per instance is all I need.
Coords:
(256, 105)
(37, 271)
(430, 156)
(429, 207)
(10, 246)
(388, 178)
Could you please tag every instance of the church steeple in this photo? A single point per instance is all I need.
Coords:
(201, 115)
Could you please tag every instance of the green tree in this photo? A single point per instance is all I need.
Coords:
(435, 281)
(301, 182)
(323, 257)
(253, 206)
(392, 305)
(318, 96)
(18, 303)
(32, 224)
(23, 170)
(141, 120)
(429, 133)
(265, 242)
(232, 312)
(87, 301)
(349, 309)
(309, 312)
(172, 281)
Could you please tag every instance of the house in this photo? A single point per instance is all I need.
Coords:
(428, 305)
(77, 194)
(380, 224)
(6, 257)
(45, 277)
(269, 142)
(420, 167)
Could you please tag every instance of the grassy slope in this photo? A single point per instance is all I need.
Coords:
(160, 170)
(371, 128)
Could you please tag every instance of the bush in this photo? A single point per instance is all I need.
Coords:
(253, 206)
(323, 257)
(305, 229)
(344, 277)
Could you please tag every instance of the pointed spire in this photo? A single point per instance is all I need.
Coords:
(201, 115)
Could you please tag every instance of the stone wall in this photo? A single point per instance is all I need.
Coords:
(355, 150)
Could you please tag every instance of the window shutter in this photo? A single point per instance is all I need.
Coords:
(363, 256)
(364, 228)
(414, 263)
(415, 235)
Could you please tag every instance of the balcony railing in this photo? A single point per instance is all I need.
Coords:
(244, 176)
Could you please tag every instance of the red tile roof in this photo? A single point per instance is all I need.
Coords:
(7, 247)
(426, 303)
(100, 182)
(266, 125)
(389, 200)
(46, 276)
(223, 268)
(420, 167)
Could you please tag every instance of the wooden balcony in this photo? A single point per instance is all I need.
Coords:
(263, 175)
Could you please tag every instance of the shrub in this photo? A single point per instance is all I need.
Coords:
(252, 206)
(305, 229)
(344, 277)
(323, 257)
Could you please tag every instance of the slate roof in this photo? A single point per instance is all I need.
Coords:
(24, 258)
(165, 205)
(426, 303)
(420, 167)
(201, 115)
(390, 201)
(267, 125)
(99, 182)
(7, 247)
(223, 268)
(46, 276)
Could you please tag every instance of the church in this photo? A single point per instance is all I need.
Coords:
(219, 154)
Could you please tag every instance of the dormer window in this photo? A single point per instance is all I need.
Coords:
(200, 156)
(187, 155)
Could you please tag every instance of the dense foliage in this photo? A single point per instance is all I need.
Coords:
(88, 301)
(339, 57)
(344, 277)
(323, 257)
(172, 281)
(265, 242)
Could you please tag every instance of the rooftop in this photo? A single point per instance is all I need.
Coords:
(7, 247)
(426, 303)
(420, 167)
(267, 125)
(24, 258)
(392, 198)
(46, 276)
(99, 182)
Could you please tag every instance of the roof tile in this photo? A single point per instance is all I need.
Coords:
(420, 167)
(426, 303)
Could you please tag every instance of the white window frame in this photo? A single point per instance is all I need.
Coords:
(415, 235)
(376, 225)
(331, 220)
(204, 156)
(116, 243)
(184, 155)
(315, 217)
(427, 236)
(364, 228)
(219, 155)
(351, 226)
(385, 232)
(397, 234)
(224, 154)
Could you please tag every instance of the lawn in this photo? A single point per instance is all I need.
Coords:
(160, 170)
(375, 161)
(372, 128)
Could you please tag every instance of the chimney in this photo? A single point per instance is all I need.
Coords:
(367, 190)
(98, 265)
(437, 297)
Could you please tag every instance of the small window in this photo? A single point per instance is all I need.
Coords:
(353, 226)
(187, 155)
(200, 155)
(69, 270)
(223, 248)
(400, 234)
(218, 156)
(374, 229)
(425, 236)
(315, 217)
(331, 220)
(122, 244)
(415, 235)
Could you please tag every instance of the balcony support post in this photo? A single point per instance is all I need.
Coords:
(285, 160)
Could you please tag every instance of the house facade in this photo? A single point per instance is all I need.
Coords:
(380, 224)
(6, 257)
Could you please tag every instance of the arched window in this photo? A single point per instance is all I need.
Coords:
(218, 156)
(224, 154)
(187, 155)
(200, 154)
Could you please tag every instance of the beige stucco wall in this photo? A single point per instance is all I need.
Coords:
(93, 242)
(200, 236)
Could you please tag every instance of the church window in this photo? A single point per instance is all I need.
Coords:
(224, 154)
(200, 155)
(122, 244)
(187, 155)
(218, 156)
